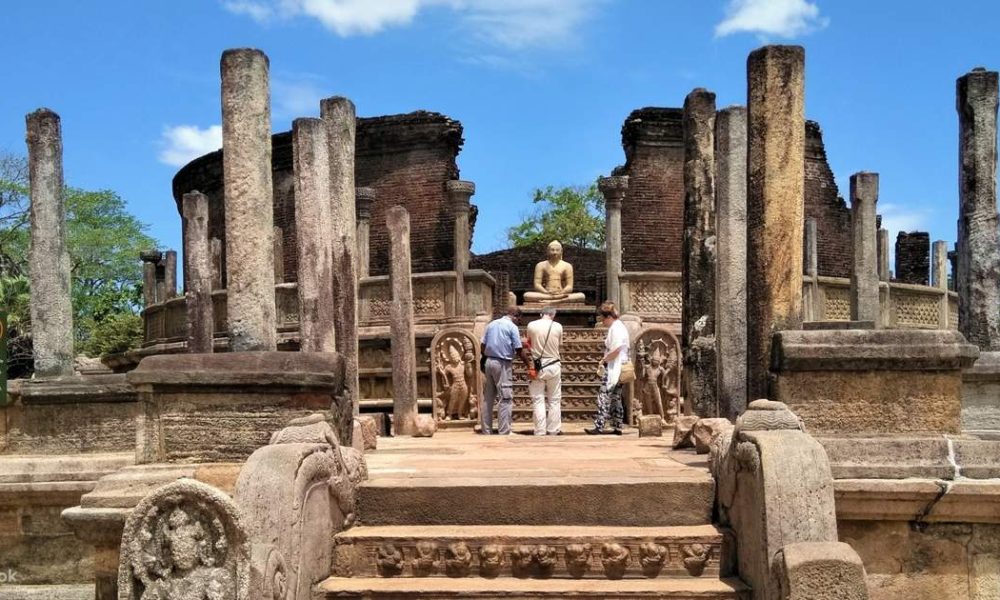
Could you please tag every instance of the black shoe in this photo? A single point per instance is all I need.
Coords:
(556, 433)
(594, 431)
(616, 432)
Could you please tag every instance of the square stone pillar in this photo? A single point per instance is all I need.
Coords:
(864, 267)
(150, 260)
(279, 255)
(246, 154)
(731, 264)
(613, 188)
(341, 123)
(197, 272)
(401, 326)
(49, 271)
(363, 199)
(218, 281)
(459, 193)
(775, 202)
(939, 279)
(978, 256)
(882, 247)
(313, 221)
(170, 274)
(810, 299)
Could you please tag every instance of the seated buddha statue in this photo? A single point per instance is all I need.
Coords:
(554, 280)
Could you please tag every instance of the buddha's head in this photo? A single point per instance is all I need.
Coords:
(554, 251)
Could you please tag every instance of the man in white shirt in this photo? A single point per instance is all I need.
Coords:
(545, 336)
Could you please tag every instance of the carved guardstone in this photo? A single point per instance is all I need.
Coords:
(456, 379)
(184, 541)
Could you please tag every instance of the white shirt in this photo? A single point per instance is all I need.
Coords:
(617, 337)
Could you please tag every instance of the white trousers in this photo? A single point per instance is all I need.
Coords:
(546, 399)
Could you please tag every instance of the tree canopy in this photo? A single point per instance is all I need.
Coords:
(574, 215)
(104, 243)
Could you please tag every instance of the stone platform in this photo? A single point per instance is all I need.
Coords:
(575, 314)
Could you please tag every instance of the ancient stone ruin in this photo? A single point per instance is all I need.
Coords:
(848, 412)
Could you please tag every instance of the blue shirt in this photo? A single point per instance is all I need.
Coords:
(502, 339)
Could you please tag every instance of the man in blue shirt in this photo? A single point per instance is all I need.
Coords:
(501, 341)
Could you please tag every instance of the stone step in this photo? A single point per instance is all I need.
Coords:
(541, 552)
(439, 588)
(47, 592)
(515, 494)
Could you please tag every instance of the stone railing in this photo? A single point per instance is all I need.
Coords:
(902, 305)
(653, 295)
(433, 298)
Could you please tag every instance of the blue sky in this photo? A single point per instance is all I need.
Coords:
(541, 86)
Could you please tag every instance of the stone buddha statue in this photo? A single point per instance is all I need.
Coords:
(554, 280)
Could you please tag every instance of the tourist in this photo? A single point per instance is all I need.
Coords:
(500, 343)
(545, 387)
(609, 397)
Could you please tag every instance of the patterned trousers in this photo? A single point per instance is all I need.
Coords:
(609, 405)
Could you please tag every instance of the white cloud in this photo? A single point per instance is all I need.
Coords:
(512, 24)
(296, 96)
(779, 18)
(183, 143)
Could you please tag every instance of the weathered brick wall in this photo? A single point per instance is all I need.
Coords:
(653, 209)
(517, 267)
(823, 203)
(913, 257)
(406, 158)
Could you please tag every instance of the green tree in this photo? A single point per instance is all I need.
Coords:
(574, 215)
(104, 243)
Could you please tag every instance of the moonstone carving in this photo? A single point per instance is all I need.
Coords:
(184, 541)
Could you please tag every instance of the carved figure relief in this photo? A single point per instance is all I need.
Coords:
(184, 542)
(457, 560)
(577, 559)
(490, 561)
(456, 376)
(389, 560)
(546, 558)
(658, 363)
(425, 560)
(695, 558)
(651, 558)
(614, 557)
(521, 559)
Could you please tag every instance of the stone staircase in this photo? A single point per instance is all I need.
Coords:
(582, 350)
(519, 517)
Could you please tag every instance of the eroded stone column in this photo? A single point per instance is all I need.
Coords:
(978, 255)
(731, 262)
(197, 272)
(215, 245)
(613, 188)
(404, 353)
(459, 193)
(49, 271)
(883, 254)
(810, 299)
(775, 202)
(279, 255)
(339, 115)
(864, 269)
(699, 262)
(363, 199)
(246, 145)
(150, 260)
(169, 274)
(939, 279)
(313, 223)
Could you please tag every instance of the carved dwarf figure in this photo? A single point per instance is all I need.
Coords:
(553, 281)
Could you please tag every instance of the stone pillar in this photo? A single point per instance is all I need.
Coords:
(49, 270)
(363, 199)
(810, 300)
(864, 269)
(215, 246)
(150, 260)
(169, 274)
(197, 272)
(404, 353)
(246, 145)
(313, 223)
(338, 113)
(459, 193)
(731, 265)
(978, 255)
(775, 202)
(939, 279)
(882, 247)
(613, 188)
(953, 260)
(279, 255)
(698, 322)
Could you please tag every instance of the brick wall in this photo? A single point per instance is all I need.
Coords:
(913, 257)
(406, 158)
(653, 209)
(823, 203)
(517, 266)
